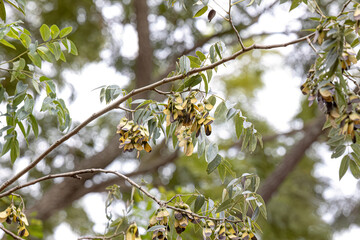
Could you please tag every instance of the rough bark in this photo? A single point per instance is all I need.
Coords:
(273, 182)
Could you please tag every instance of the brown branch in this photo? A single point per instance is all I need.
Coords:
(343, 8)
(10, 233)
(137, 91)
(131, 182)
(290, 160)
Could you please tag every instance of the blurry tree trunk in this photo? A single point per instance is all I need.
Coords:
(144, 61)
(63, 194)
(273, 182)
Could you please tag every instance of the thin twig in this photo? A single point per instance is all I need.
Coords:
(18, 56)
(137, 91)
(311, 45)
(10, 233)
(343, 8)
(161, 92)
(126, 109)
(232, 25)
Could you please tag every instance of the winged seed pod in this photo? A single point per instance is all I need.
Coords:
(133, 136)
(132, 233)
(211, 14)
(190, 118)
(161, 217)
(208, 229)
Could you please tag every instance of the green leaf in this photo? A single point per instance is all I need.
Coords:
(206, 84)
(201, 147)
(184, 64)
(7, 44)
(55, 49)
(193, 81)
(7, 146)
(45, 54)
(218, 50)
(211, 152)
(45, 32)
(54, 31)
(15, 151)
(201, 12)
(21, 126)
(220, 111)
(246, 138)
(13, 34)
(231, 113)
(355, 158)
(339, 150)
(199, 202)
(62, 57)
(222, 172)
(344, 165)
(212, 54)
(261, 204)
(74, 50)
(25, 40)
(253, 143)
(194, 62)
(225, 205)
(2, 11)
(212, 100)
(209, 74)
(354, 168)
(201, 56)
(35, 58)
(356, 148)
(214, 164)
(295, 4)
(65, 31)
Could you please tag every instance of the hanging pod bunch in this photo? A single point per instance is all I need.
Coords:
(133, 136)
(132, 233)
(246, 234)
(350, 120)
(16, 215)
(226, 231)
(190, 117)
(182, 218)
(208, 228)
(161, 217)
(348, 57)
(346, 118)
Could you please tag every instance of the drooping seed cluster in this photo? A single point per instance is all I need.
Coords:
(190, 118)
(133, 136)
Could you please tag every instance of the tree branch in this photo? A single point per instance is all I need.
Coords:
(10, 233)
(137, 91)
(131, 182)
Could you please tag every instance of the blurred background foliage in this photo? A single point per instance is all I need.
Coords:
(102, 28)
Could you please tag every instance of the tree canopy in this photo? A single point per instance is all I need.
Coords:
(178, 151)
